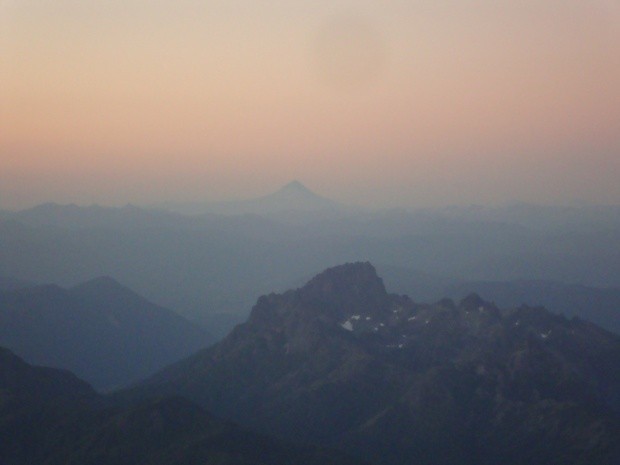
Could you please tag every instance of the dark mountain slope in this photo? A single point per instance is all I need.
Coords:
(342, 363)
(48, 416)
(28, 397)
(20, 380)
(100, 330)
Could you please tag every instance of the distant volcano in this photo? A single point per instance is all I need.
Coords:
(293, 197)
(296, 186)
(296, 196)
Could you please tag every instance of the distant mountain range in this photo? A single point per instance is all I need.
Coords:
(290, 200)
(100, 330)
(541, 217)
(49, 416)
(598, 305)
(340, 362)
(211, 267)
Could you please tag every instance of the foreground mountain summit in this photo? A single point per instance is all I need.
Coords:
(342, 363)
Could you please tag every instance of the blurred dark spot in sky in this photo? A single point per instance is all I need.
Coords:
(350, 52)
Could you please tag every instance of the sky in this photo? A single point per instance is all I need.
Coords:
(397, 103)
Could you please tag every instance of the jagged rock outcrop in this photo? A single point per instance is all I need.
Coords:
(340, 362)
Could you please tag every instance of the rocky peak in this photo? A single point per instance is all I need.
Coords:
(347, 289)
(341, 362)
(477, 309)
(472, 302)
(330, 297)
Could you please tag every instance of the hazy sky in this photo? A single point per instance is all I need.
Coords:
(392, 102)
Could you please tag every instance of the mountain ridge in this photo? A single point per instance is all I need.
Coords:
(103, 331)
(395, 381)
(289, 201)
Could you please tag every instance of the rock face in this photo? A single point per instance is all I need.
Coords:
(340, 362)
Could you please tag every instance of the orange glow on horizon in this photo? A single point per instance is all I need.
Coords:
(189, 100)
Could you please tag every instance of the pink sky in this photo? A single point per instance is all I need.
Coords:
(393, 103)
